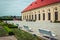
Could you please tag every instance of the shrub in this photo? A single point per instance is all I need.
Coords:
(9, 31)
(3, 32)
(12, 26)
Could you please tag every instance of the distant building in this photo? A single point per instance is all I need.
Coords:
(42, 10)
(17, 18)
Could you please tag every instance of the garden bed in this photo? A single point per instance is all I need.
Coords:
(19, 34)
(3, 32)
(22, 35)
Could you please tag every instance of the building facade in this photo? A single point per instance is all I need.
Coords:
(50, 12)
(39, 15)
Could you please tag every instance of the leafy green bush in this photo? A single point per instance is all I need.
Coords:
(9, 31)
(8, 25)
(23, 35)
(3, 24)
(12, 26)
(3, 32)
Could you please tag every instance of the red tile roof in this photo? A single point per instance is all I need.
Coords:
(40, 3)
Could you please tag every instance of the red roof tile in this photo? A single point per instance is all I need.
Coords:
(39, 3)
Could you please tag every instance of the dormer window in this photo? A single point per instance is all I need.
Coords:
(42, 0)
(35, 2)
(31, 4)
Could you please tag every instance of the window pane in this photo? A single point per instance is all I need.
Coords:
(29, 17)
(56, 15)
(35, 17)
(49, 16)
(32, 17)
(39, 16)
(43, 16)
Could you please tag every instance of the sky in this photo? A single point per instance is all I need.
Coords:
(13, 7)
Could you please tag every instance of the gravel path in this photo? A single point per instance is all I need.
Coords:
(8, 38)
(0, 26)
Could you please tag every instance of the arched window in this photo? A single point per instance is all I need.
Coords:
(39, 16)
(43, 16)
(29, 17)
(56, 15)
(32, 17)
(49, 16)
(35, 16)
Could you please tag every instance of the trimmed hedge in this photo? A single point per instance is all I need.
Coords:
(12, 26)
(23, 35)
(8, 25)
(3, 24)
(8, 30)
(3, 32)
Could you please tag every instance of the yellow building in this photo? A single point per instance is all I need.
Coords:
(42, 10)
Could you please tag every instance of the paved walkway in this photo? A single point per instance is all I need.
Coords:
(8, 38)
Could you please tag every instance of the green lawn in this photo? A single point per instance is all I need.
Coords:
(19, 34)
(22, 35)
(3, 32)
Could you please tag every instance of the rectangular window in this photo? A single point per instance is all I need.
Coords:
(32, 17)
(56, 15)
(49, 16)
(24, 17)
(39, 16)
(29, 17)
(43, 16)
(35, 17)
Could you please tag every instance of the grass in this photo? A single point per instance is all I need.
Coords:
(8, 25)
(22, 35)
(8, 30)
(19, 34)
(3, 32)
(12, 26)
